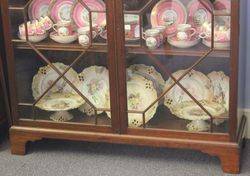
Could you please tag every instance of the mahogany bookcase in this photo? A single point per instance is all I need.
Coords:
(29, 123)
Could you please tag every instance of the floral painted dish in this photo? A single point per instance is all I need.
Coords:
(38, 9)
(150, 73)
(80, 14)
(60, 10)
(60, 102)
(47, 75)
(198, 126)
(220, 84)
(173, 40)
(94, 85)
(196, 83)
(140, 94)
(189, 110)
(168, 13)
(199, 12)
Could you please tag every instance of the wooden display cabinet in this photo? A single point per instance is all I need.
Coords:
(117, 53)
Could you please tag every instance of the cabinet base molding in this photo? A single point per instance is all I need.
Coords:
(228, 152)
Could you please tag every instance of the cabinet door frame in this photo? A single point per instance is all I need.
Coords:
(232, 131)
(9, 50)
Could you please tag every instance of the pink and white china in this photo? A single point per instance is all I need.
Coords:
(60, 10)
(34, 38)
(162, 29)
(153, 38)
(46, 22)
(224, 5)
(84, 37)
(35, 31)
(221, 35)
(80, 13)
(185, 32)
(132, 27)
(63, 28)
(174, 41)
(199, 12)
(169, 13)
(65, 39)
(38, 9)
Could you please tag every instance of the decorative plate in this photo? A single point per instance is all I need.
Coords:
(191, 111)
(94, 85)
(150, 73)
(60, 10)
(220, 84)
(47, 75)
(196, 83)
(80, 14)
(140, 94)
(172, 40)
(199, 12)
(38, 8)
(60, 102)
(223, 5)
(169, 13)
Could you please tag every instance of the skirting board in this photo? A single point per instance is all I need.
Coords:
(247, 114)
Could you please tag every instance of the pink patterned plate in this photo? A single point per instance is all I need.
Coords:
(222, 5)
(169, 13)
(199, 12)
(60, 10)
(38, 8)
(80, 14)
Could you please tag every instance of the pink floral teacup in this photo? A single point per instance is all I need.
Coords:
(185, 32)
(153, 38)
(46, 22)
(63, 28)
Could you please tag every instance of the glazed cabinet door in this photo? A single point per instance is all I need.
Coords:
(177, 66)
(61, 68)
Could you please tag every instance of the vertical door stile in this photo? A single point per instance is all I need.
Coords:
(121, 64)
(234, 69)
(113, 73)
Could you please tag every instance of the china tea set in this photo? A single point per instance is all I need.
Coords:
(61, 32)
(186, 36)
(155, 37)
(183, 24)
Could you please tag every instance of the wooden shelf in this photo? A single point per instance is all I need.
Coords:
(51, 45)
(196, 51)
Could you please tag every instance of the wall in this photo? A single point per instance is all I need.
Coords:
(247, 35)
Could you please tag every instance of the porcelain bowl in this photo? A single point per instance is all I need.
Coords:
(183, 43)
(34, 38)
(63, 39)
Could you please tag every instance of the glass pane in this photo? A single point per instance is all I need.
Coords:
(178, 64)
(61, 60)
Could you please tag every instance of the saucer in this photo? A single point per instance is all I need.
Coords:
(34, 38)
(172, 40)
(63, 39)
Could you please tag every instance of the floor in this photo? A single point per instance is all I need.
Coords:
(66, 158)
